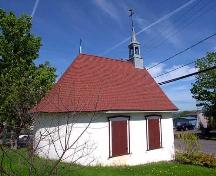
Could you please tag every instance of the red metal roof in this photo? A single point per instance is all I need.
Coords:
(93, 83)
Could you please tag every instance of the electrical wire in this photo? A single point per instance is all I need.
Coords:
(175, 69)
(186, 76)
(184, 50)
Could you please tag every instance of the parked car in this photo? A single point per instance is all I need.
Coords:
(25, 140)
(182, 122)
(184, 127)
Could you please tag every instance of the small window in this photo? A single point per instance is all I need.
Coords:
(131, 52)
(119, 136)
(137, 50)
(154, 137)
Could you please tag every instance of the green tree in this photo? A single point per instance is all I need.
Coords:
(22, 82)
(204, 89)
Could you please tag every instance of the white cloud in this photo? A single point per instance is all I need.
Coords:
(109, 8)
(160, 69)
(142, 23)
(165, 30)
(156, 70)
(146, 28)
(35, 8)
(181, 97)
(168, 32)
(179, 94)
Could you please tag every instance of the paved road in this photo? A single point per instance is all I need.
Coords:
(207, 146)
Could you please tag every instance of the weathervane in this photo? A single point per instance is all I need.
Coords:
(131, 16)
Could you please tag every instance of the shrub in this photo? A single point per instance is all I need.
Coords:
(196, 158)
(190, 151)
(188, 142)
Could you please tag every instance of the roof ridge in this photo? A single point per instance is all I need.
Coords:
(104, 57)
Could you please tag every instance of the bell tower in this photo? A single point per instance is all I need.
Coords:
(134, 46)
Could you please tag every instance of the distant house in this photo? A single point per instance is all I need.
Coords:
(195, 118)
(202, 119)
(127, 117)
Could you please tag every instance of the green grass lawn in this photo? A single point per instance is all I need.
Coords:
(162, 169)
(20, 167)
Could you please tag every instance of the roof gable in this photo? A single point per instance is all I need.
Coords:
(93, 83)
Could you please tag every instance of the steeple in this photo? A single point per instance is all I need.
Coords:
(134, 46)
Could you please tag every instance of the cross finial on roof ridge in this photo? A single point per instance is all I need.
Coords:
(131, 16)
(133, 37)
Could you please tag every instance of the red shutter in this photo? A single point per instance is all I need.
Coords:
(154, 133)
(119, 138)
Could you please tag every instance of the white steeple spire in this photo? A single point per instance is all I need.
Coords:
(133, 36)
(134, 46)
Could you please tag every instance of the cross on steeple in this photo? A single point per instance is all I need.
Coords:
(131, 16)
(133, 37)
(134, 46)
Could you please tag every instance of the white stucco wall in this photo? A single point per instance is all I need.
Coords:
(93, 147)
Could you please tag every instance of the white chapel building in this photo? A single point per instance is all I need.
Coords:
(104, 111)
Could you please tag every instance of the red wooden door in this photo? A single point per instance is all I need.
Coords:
(154, 133)
(119, 138)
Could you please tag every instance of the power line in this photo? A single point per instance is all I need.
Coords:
(181, 66)
(186, 49)
(175, 69)
(186, 76)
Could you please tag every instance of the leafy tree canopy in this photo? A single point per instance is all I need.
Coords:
(22, 82)
(204, 89)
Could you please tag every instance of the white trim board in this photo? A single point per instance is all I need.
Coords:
(116, 112)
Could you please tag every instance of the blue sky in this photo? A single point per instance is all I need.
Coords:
(167, 28)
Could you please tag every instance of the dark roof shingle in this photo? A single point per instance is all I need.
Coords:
(93, 83)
